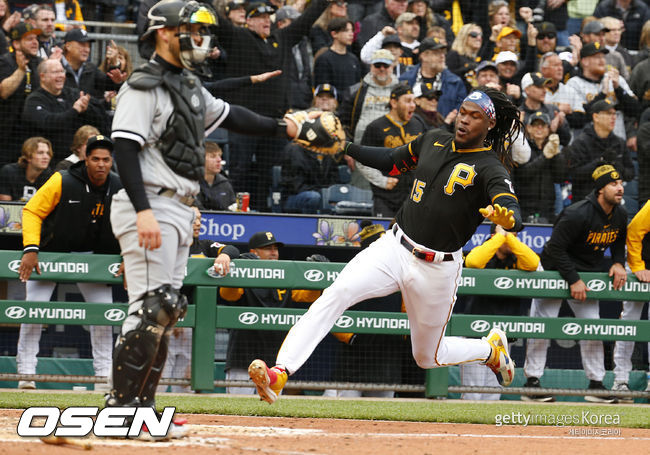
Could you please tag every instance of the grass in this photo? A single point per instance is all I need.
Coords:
(398, 410)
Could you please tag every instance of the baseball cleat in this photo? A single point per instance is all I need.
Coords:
(499, 360)
(26, 385)
(268, 381)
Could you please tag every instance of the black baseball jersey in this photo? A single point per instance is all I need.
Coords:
(450, 186)
(581, 234)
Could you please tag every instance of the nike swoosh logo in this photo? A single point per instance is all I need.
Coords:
(70, 201)
(438, 144)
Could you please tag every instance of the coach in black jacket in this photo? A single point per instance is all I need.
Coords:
(581, 234)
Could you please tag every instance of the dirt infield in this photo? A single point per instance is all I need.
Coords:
(210, 434)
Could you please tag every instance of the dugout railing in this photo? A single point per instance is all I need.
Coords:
(205, 316)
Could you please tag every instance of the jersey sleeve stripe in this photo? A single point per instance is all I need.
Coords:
(505, 195)
(219, 120)
(128, 135)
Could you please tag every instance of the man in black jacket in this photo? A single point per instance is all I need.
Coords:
(70, 212)
(57, 112)
(597, 142)
(581, 234)
(377, 21)
(18, 78)
(83, 74)
(254, 50)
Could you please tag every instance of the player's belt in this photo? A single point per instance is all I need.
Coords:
(428, 256)
(172, 194)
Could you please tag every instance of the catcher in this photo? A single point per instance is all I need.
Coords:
(460, 179)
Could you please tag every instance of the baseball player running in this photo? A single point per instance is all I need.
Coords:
(162, 116)
(460, 179)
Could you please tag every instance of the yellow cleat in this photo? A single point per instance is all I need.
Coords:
(268, 381)
(499, 360)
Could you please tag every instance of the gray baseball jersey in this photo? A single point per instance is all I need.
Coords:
(142, 116)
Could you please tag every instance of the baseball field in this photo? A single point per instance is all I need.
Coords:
(313, 425)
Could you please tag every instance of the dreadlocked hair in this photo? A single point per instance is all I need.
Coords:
(507, 128)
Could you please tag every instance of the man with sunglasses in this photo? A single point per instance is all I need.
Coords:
(545, 42)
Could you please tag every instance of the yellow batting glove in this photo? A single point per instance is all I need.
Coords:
(499, 215)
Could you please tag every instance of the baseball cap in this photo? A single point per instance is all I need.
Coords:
(599, 105)
(399, 90)
(405, 17)
(426, 90)
(382, 56)
(21, 29)
(505, 31)
(236, 4)
(535, 79)
(592, 49)
(391, 39)
(603, 175)
(486, 65)
(538, 115)
(29, 12)
(286, 12)
(506, 56)
(262, 239)
(257, 9)
(79, 35)
(594, 27)
(325, 88)
(99, 141)
(546, 28)
(431, 44)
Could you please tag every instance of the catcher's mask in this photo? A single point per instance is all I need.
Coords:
(194, 46)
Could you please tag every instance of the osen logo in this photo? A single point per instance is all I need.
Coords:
(14, 265)
(480, 326)
(248, 318)
(597, 285)
(571, 328)
(313, 275)
(503, 282)
(344, 322)
(114, 314)
(114, 267)
(15, 312)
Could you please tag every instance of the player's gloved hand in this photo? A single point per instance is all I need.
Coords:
(499, 215)
(316, 258)
(318, 131)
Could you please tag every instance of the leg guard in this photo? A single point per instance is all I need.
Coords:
(137, 352)
(151, 383)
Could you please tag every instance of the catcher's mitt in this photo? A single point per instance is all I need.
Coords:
(319, 133)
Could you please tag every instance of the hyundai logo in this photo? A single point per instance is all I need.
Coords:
(597, 285)
(344, 322)
(114, 267)
(114, 314)
(480, 326)
(571, 328)
(314, 275)
(248, 318)
(14, 265)
(503, 282)
(15, 312)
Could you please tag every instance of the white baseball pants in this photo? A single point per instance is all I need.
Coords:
(591, 351)
(385, 267)
(479, 376)
(101, 337)
(623, 349)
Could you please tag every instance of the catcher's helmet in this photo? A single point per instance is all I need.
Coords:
(176, 13)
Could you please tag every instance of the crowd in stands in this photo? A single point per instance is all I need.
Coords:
(406, 64)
